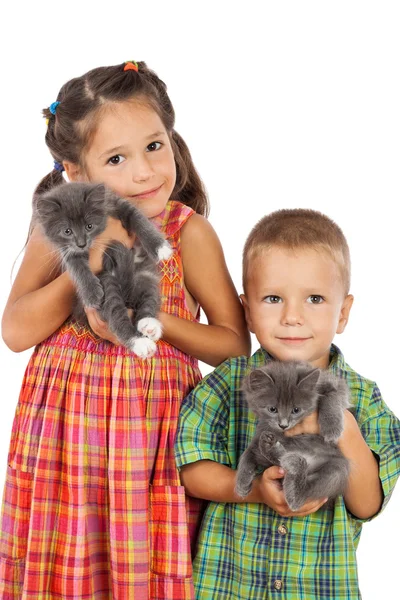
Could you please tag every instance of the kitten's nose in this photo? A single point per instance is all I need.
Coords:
(283, 426)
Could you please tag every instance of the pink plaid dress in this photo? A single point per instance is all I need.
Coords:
(93, 507)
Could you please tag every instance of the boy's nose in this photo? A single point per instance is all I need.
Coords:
(292, 315)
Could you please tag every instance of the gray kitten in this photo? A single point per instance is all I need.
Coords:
(281, 394)
(72, 215)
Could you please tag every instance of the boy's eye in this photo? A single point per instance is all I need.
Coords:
(153, 146)
(116, 160)
(295, 410)
(272, 299)
(272, 409)
(315, 299)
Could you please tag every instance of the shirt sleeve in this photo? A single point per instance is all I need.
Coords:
(203, 423)
(381, 431)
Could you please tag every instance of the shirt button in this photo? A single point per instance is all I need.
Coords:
(278, 584)
(282, 529)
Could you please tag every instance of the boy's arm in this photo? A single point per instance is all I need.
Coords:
(214, 482)
(364, 495)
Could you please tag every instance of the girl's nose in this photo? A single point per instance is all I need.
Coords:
(141, 170)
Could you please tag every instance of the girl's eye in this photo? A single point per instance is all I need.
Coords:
(116, 160)
(272, 299)
(153, 146)
(295, 410)
(272, 409)
(315, 299)
(68, 231)
(89, 226)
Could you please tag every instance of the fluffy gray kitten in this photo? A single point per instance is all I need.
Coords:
(281, 394)
(72, 215)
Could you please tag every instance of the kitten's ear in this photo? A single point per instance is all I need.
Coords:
(98, 190)
(47, 204)
(258, 380)
(310, 378)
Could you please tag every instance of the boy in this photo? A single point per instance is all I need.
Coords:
(296, 277)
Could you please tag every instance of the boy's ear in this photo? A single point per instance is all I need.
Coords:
(344, 313)
(74, 172)
(247, 312)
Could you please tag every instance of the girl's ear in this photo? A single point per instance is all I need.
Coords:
(247, 312)
(344, 313)
(74, 172)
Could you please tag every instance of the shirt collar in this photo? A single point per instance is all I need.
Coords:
(336, 359)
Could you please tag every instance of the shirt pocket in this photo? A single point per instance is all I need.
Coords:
(169, 532)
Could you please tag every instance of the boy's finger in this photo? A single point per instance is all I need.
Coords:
(309, 508)
(273, 473)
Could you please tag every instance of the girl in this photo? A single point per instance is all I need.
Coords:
(93, 506)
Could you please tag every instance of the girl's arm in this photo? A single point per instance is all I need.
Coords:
(208, 281)
(41, 299)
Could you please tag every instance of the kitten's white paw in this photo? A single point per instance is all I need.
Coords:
(150, 327)
(164, 252)
(142, 347)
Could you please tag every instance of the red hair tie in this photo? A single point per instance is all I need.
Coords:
(131, 66)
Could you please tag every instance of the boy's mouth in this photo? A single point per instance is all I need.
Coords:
(293, 340)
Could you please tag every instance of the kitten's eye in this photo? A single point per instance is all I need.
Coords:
(89, 226)
(153, 146)
(68, 231)
(272, 299)
(295, 410)
(116, 160)
(315, 299)
(272, 409)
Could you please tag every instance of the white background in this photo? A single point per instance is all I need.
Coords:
(283, 104)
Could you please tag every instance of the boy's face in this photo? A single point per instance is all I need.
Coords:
(295, 304)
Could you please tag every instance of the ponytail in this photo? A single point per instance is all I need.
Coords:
(189, 188)
(50, 181)
(53, 179)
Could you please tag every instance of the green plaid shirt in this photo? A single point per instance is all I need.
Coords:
(248, 551)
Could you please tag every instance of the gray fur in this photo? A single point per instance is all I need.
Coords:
(282, 394)
(72, 215)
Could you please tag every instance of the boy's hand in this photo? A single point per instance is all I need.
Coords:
(271, 493)
(308, 425)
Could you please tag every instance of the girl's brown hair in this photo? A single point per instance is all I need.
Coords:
(81, 99)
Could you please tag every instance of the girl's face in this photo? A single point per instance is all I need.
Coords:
(131, 154)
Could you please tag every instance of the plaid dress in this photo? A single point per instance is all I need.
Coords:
(248, 551)
(92, 506)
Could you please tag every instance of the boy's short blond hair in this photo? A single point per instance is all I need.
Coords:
(298, 228)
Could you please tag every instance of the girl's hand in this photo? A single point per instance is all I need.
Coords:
(113, 231)
(308, 425)
(100, 327)
(271, 493)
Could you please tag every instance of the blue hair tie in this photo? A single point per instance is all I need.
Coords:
(53, 107)
(58, 166)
